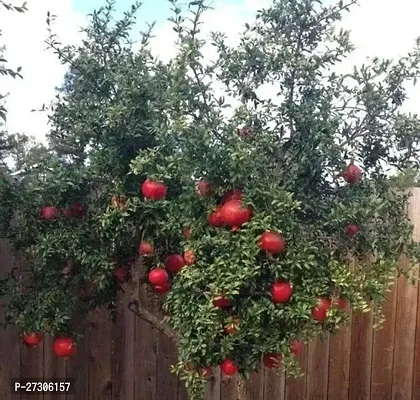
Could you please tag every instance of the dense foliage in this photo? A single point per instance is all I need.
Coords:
(146, 150)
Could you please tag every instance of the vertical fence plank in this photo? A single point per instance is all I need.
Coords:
(77, 367)
(9, 338)
(416, 362)
(123, 351)
(339, 364)
(31, 363)
(361, 356)
(100, 349)
(228, 388)
(255, 385)
(296, 387)
(145, 352)
(213, 388)
(274, 386)
(317, 371)
(167, 383)
(383, 351)
(404, 340)
(54, 367)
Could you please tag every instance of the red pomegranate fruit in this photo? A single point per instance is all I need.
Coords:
(215, 218)
(174, 263)
(64, 347)
(296, 347)
(186, 231)
(74, 210)
(272, 360)
(49, 213)
(341, 303)
(228, 367)
(189, 257)
(281, 292)
(121, 274)
(235, 213)
(351, 230)
(272, 242)
(32, 339)
(206, 372)
(205, 188)
(158, 276)
(233, 194)
(320, 311)
(162, 289)
(352, 174)
(222, 302)
(146, 249)
(154, 190)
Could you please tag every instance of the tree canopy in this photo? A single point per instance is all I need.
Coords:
(146, 153)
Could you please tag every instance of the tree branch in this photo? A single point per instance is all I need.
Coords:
(137, 308)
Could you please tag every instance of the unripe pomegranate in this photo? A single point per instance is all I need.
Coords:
(222, 302)
(64, 347)
(352, 174)
(272, 242)
(206, 372)
(228, 367)
(351, 230)
(272, 360)
(235, 213)
(121, 274)
(296, 347)
(281, 292)
(146, 249)
(205, 188)
(320, 311)
(49, 213)
(32, 339)
(215, 218)
(153, 190)
(158, 276)
(174, 263)
(162, 288)
(233, 194)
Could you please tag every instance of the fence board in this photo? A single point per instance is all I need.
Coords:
(383, 351)
(296, 387)
(54, 367)
(317, 375)
(274, 385)
(78, 367)
(100, 349)
(339, 365)
(123, 351)
(31, 366)
(361, 356)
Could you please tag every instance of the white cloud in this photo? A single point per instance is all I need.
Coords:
(379, 27)
(24, 35)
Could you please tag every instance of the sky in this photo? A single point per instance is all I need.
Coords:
(384, 28)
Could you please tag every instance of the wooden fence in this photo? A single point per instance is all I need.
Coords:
(130, 360)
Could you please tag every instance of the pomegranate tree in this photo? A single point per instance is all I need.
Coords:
(239, 210)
